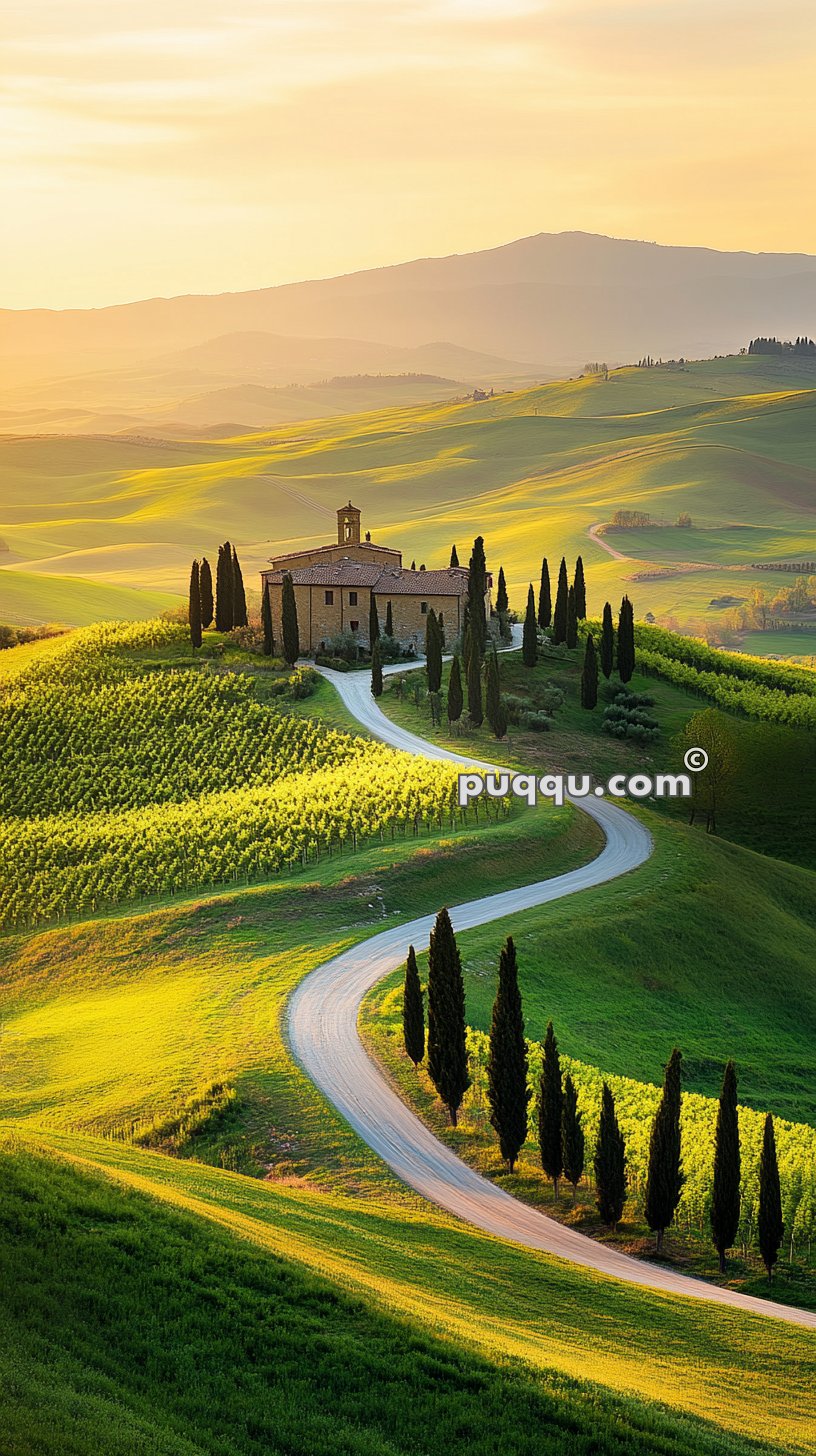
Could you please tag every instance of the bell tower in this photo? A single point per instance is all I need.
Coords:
(348, 526)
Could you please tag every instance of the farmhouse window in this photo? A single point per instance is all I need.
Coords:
(355, 626)
(329, 598)
(423, 607)
(352, 599)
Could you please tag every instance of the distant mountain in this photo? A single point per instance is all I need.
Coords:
(546, 300)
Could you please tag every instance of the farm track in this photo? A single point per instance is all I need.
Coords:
(323, 1033)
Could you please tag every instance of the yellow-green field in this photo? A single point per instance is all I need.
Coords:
(729, 441)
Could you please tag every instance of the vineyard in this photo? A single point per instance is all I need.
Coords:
(636, 1103)
(739, 684)
(72, 864)
(123, 777)
(158, 738)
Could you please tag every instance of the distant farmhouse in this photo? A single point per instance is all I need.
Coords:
(334, 585)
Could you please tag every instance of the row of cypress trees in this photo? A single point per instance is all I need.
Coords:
(603, 660)
(562, 619)
(228, 608)
(560, 1132)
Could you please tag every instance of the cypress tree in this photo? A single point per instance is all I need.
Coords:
(610, 1163)
(572, 619)
(580, 590)
(502, 600)
(529, 639)
(665, 1180)
(607, 642)
(194, 606)
(494, 707)
(559, 624)
(289, 622)
(544, 598)
(477, 587)
(447, 1051)
(433, 652)
(376, 672)
(223, 589)
(770, 1227)
(441, 624)
(725, 1197)
(589, 675)
(572, 1137)
(550, 1110)
(373, 621)
(205, 588)
(454, 561)
(239, 606)
(626, 640)
(455, 696)
(413, 1011)
(474, 681)
(507, 1090)
(389, 621)
(266, 622)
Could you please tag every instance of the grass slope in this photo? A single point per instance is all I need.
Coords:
(27, 599)
(172, 1337)
(120, 1021)
(506, 1305)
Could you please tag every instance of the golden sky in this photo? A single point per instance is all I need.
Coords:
(181, 146)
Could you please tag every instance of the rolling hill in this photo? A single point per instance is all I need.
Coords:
(727, 440)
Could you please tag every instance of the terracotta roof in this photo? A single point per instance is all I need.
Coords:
(386, 581)
(318, 550)
(452, 582)
(335, 573)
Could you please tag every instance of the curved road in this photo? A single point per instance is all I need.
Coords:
(604, 545)
(323, 1033)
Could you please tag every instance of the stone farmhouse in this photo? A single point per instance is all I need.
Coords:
(334, 584)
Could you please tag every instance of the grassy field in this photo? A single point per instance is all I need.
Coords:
(30, 599)
(328, 1325)
(729, 441)
(119, 1021)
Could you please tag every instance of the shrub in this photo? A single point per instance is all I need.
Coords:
(344, 645)
(535, 722)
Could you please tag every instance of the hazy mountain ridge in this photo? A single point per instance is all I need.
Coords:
(527, 310)
(315, 308)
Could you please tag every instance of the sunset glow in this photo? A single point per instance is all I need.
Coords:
(160, 148)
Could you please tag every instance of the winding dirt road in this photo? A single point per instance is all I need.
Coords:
(323, 1033)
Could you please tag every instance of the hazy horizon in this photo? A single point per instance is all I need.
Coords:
(158, 150)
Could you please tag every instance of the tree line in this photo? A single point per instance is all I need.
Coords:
(801, 346)
(561, 1138)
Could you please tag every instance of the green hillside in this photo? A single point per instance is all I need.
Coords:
(729, 441)
(185, 1222)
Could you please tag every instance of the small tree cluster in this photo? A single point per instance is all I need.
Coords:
(230, 597)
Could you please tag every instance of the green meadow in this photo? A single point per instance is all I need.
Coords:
(728, 441)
